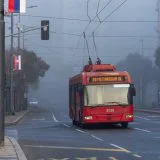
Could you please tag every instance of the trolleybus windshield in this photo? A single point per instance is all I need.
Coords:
(106, 95)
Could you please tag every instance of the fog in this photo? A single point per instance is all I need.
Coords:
(60, 51)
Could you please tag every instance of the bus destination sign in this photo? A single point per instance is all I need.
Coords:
(107, 79)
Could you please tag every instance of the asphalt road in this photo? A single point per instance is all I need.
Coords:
(48, 134)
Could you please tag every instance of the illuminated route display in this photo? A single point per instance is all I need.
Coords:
(107, 79)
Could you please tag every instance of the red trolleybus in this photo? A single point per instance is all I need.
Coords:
(100, 94)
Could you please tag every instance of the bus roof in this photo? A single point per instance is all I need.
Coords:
(101, 73)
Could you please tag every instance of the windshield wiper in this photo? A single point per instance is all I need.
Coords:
(95, 105)
(116, 103)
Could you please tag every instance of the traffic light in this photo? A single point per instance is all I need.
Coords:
(45, 30)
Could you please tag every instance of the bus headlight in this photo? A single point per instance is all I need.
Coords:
(129, 116)
(88, 117)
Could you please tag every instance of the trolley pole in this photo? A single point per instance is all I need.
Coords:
(2, 71)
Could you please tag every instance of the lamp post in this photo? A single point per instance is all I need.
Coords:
(19, 25)
(141, 76)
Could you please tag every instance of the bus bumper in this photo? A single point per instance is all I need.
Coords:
(108, 118)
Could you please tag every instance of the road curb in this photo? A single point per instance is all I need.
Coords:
(147, 111)
(17, 120)
(18, 150)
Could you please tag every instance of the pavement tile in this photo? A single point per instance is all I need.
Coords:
(8, 151)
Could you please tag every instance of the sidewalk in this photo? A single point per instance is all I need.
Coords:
(14, 119)
(11, 150)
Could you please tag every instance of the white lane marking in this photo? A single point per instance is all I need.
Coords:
(143, 118)
(54, 118)
(144, 130)
(97, 138)
(112, 158)
(116, 146)
(80, 131)
(153, 116)
(41, 119)
(66, 125)
(136, 155)
(77, 148)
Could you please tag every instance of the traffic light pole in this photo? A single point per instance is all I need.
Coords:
(2, 71)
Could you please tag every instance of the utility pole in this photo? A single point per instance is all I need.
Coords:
(23, 37)
(2, 71)
(158, 44)
(158, 19)
(19, 30)
(141, 77)
(11, 70)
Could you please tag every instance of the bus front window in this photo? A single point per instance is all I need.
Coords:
(106, 95)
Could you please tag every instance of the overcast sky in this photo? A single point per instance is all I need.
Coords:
(58, 48)
(131, 10)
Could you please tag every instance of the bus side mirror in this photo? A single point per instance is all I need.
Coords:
(132, 90)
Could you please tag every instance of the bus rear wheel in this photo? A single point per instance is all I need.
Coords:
(124, 125)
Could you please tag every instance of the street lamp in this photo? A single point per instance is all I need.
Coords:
(141, 76)
(19, 26)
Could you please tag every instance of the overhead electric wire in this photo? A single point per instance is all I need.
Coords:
(59, 47)
(98, 10)
(98, 14)
(22, 32)
(91, 21)
(88, 10)
(117, 8)
(85, 20)
(123, 36)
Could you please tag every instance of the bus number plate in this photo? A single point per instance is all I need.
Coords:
(110, 110)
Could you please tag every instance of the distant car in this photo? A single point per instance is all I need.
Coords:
(33, 102)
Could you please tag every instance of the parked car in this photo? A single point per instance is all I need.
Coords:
(33, 102)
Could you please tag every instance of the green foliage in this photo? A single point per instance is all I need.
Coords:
(139, 66)
(33, 67)
(142, 71)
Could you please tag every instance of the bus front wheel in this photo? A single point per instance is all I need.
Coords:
(73, 122)
(124, 125)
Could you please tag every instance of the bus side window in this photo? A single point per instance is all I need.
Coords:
(81, 94)
(72, 96)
